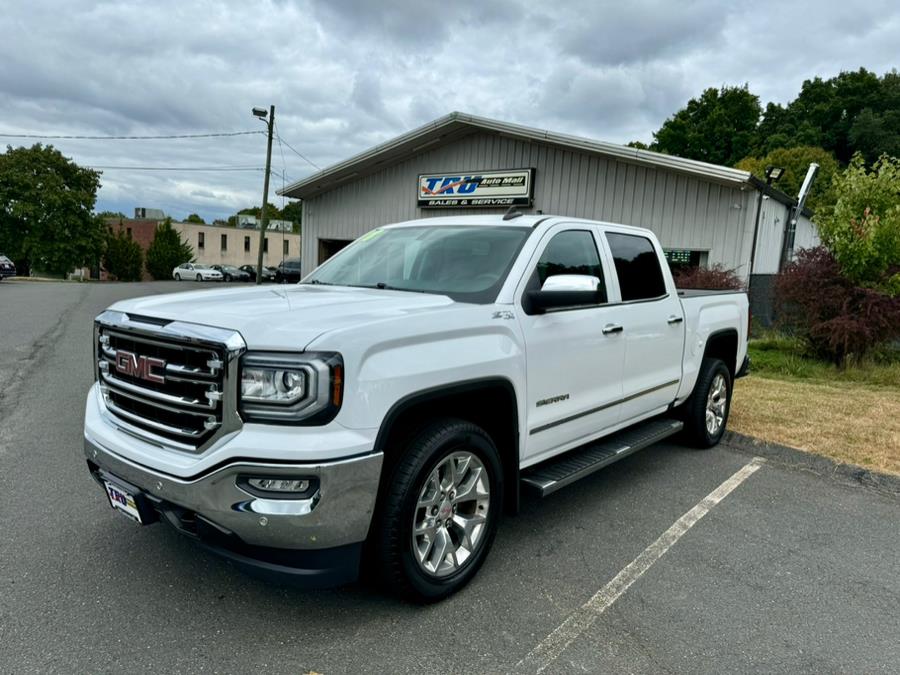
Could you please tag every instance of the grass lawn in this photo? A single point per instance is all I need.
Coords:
(851, 415)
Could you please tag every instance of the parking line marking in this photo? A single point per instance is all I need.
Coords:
(549, 649)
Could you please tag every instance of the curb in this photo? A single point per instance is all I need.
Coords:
(885, 483)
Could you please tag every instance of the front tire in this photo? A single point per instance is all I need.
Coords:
(177, 277)
(199, 277)
(706, 411)
(439, 515)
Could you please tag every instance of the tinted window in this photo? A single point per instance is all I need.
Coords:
(570, 252)
(637, 266)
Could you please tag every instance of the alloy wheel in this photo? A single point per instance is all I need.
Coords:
(451, 514)
(716, 401)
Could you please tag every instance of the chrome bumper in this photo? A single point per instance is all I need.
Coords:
(338, 513)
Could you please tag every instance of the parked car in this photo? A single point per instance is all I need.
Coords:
(7, 268)
(288, 271)
(232, 273)
(268, 273)
(403, 396)
(196, 272)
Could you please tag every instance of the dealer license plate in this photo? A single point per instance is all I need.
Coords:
(122, 501)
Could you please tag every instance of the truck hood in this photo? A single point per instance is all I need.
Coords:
(286, 317)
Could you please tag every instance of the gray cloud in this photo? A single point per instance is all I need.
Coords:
(347, 74)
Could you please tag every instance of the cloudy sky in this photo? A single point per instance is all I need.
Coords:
(347, 74)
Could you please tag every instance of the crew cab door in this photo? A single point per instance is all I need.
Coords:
(652, 321)
(573, 367)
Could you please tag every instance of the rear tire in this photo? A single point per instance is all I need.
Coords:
(448, 487)
(706, 411)
(227, 277)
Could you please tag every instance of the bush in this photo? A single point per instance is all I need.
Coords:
(836, 319)
(167, 251)
(715, 278)
(123, 258)
(863, 227)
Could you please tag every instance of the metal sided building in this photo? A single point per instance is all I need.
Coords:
(703, 214)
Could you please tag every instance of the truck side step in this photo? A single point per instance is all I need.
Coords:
(548, 477)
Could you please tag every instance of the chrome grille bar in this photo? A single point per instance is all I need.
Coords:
(176, 384)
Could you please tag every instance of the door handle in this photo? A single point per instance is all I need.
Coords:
(612, 328)
(676, 319)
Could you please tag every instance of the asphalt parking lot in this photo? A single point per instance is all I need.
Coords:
(786, 572)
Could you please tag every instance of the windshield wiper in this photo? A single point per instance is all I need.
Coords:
(316, 282)
(385, 287)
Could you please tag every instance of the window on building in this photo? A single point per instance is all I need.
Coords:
(570, 252)
(681, 258)
(246, 243)
(637, 266)
(224, 239)
(266, 245)
(285, 247)
(201, 240)
(128, 232)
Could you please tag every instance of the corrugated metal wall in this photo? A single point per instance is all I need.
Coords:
(684, 212)
(770, 237)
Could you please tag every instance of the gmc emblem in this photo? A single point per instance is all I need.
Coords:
(141, 367)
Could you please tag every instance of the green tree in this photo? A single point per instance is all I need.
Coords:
(123, 257)
(854, 111)
(862, 229)
(46, 210)
(795, 162)
(293, 211)
(194, 218)
(718, 127)
(103, 215)
(167, 251)
(638, 145)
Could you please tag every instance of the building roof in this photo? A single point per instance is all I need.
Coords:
(456, 125)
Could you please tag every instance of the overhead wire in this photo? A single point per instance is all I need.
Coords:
(129, 138)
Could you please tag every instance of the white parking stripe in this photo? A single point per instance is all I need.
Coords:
(549, 649)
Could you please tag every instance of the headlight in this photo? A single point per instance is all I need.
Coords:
(289, 388)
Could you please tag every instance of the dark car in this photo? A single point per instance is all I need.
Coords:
(288, 271)
(7, 268)
(268, 275)
(232, 273)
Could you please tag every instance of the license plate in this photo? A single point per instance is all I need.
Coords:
(122, 501)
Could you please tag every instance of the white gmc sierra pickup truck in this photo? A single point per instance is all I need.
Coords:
(380, 415)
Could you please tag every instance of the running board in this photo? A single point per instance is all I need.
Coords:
(548, 477)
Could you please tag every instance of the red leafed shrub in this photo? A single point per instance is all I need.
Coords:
(837, 319)
(715, 278)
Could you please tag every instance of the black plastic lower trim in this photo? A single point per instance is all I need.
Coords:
(744, 370)
(305, 568)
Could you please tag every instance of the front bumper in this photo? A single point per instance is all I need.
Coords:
(317, 539)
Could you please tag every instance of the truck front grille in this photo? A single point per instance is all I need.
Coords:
(169, 389)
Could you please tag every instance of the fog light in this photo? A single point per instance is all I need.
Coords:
(279, 484)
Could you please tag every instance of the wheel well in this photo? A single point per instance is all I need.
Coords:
(489, 404)
(723, 345)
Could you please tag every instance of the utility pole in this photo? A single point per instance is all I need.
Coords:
(264, 215)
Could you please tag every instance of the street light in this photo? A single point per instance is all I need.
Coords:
(264, 217)
(773, 173)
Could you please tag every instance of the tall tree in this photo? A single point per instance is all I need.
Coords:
(123, 257)
(46, 210)
(718, 127)
(795, 162)
(167, 251)
(194, 218)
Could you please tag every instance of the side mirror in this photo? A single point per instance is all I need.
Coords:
(565, 291)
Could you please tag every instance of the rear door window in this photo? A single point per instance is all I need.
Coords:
(637, 267)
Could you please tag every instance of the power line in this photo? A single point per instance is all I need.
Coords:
(130, 138)
(178, 168)
(298, 153)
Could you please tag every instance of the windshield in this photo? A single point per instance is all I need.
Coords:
(467, 263)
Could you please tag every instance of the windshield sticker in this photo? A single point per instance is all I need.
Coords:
(371, 235)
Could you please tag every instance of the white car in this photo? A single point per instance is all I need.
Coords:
(400, 398)
(196, 272)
